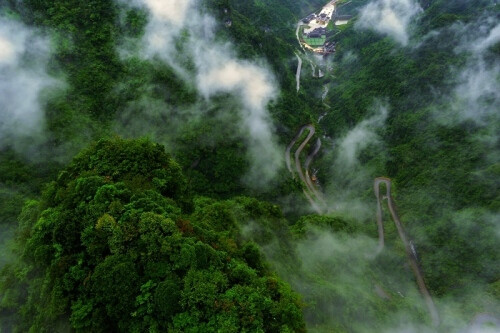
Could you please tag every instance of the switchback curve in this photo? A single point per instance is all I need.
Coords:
(310, 189)
(377, 182)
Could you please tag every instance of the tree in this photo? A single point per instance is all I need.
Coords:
(112, 246)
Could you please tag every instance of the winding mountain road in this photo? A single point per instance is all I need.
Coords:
(408, 248)
(317, 147)
(309, 181)
(287, 152)
(299, 68)
(310, 189)
(312, 130)
(299, 24)
(318, 202)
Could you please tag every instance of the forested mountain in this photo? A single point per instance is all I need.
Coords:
(146, 183)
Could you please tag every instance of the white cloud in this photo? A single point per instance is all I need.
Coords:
(23, 77)
(490, 40)
(389, 17)
(173, 12)
(476, 95)
(7, 51)
(360, 137)
(217, 70)
(218, 73)
(349, 174)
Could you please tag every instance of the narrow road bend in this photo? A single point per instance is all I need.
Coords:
(310, 189)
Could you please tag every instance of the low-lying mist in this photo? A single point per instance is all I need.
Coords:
(357, 158)
(389, 17)
(182, 36)
(455, 238)
(24, 57)
(187, 88)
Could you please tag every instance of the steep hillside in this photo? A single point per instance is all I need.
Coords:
(186, 166)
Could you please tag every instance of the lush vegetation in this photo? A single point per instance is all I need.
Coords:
(116, 243)
(116, 234)
(459, 186)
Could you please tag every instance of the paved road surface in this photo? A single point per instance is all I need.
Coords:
(317, 147)
(297, 35)
(299, 68)
(298, 167)
(287, 152)
(310, 188)
(309, 182)
(410, 250)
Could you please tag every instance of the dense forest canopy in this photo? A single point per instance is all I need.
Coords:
(145, 186)
(113, 242)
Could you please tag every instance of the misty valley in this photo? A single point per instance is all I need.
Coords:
(250, 166)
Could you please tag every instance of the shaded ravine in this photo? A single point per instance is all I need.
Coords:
(408, 248)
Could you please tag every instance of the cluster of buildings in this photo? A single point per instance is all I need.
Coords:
(308, 19)
(322, 18)
(342, 19)
(315, 33)
(329, 47)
